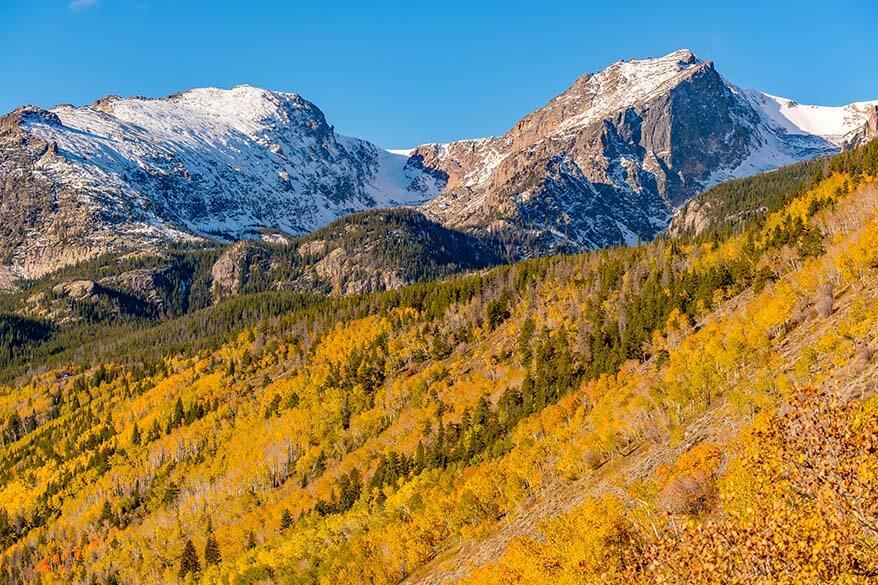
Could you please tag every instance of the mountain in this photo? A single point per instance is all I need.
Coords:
(621, 416)
(207, 163)
(723, 208)
(608, 161)
(836, 124)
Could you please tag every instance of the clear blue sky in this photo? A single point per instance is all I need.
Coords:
(404, 73)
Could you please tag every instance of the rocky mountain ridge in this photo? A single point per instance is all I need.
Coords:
(605, 163)
(207, 163)
(363, 252)
(608, 161)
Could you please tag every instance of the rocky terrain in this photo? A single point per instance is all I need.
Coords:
(869, 130)
(609, 160)
(361, 253)
(364, 252)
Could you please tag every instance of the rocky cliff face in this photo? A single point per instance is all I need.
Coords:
(609, 160)
(869, 130)
(364, 252)
(38, 215)
(370, 251)
(236, 266)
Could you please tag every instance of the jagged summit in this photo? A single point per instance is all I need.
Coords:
(625, 83)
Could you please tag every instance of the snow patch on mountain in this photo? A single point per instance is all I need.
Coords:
(627, 83)
(397, 182)
(834, 123)
(767, 153)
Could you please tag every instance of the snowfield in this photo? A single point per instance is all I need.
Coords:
(834, 123)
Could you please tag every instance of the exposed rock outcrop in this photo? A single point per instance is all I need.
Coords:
(150, 285)
(869, 131)
(237, 264)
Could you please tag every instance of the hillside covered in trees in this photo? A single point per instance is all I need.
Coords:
(701, 406)
(360, 253)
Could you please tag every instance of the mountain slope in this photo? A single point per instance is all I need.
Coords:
(731, 204)
(360, 253)
(607, 162)
(837, 124)
(611, 398)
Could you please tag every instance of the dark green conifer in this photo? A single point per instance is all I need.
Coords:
(212, 554)
(189, 560)
(286, 519)
(106, 513)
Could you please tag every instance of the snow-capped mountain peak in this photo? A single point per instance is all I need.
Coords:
(222, 163)
(624, 83)
(610, 159)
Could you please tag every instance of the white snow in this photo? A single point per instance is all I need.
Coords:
(770, 154)
(626, 83)
(224, 162)
(834, 123)
(391, 184)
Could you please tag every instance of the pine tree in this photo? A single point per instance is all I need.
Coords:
(251, 540)
(524, 339)
(420, 458)
(345, 412)
(273, 407)
(211, 548)
(155, 431)
(172, 492)
(178, 413)
(286, 519)
(106, 513)
(135, 434)
(441, 348)
(189, 561)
